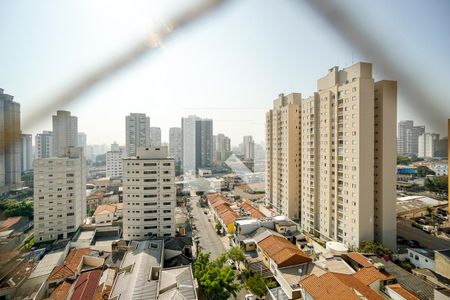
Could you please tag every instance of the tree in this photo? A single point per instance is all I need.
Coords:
(257, 284)
(13, 208)
(423, 171)
(236, 254)
(219, 228)
(438, 184)
(216, 280)
(403, 160)
(374, 247)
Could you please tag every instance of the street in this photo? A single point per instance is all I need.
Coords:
(209, 240)
(405, 230)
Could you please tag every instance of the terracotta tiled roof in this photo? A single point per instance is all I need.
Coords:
(369, 275)
(402, 292)
(327, 287)
(253, 211)
(105, 209)
(5, 225)
(102, 292)
(212, 198)
(69, 268)
(220, 202)
(228, 217)
(86, 285)
(353, 283)
(282, 251)
(61, 292)
(359, 258)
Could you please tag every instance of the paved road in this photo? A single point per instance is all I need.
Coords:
(405, 230)
(209, 240)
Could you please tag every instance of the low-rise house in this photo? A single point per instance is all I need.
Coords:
(251, 210)
(177, 283)
(139, 271)
(85, 286)
(397, 292)
(422, 258)
(283, 258)
(105, 214)
(77, 260)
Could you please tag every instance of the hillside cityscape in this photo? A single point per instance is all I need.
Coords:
(341, 199)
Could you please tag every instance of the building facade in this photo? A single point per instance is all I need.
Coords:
(197, 142)
(59, 195)
(10, 143)
(65, 132)
(249, 147)
(427, 145)
(408, 137)
(176, 145)
(331, 157)
(137, 131)
(114, 161)
(82, 142)
(155, 136)
(43, 145)
(221, 148)
(26, 152)
(149, 194)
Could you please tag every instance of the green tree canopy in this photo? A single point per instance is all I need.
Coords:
(438, 184)
(374, 247)
(13, 208)
(403, 160)
(236, 254)
(258, 285)
(216, 280)
(423, 171)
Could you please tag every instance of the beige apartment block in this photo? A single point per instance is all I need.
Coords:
(59, 195)
(149, 194)
(283, 155)
(331, 159)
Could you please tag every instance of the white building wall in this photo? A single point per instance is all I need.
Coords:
(149, 194)
(59, 195)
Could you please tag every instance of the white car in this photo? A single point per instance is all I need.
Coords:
(249, 297)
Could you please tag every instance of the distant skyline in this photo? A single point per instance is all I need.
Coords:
(228, 67)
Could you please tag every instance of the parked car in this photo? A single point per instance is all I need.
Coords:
(442, 217)
(401, 240)
(421, 221)
(413, 244)
(427, 228)
(231, 263)
(249, 297)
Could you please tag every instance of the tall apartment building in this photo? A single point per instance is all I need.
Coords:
(222, 147)
(428, 143)
(10, 146)
(283, 155)
(26, 152)
(408, 137)
(43, 145)
(149, 194)
(155, 137)
(65, 132)
(176, 144)
(114, 161)
(137, 132)
(59, 195)
(197, 143)
(249, 147)
(82, 142)
(331, 157)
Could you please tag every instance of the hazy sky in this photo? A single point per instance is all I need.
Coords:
(229, 66)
